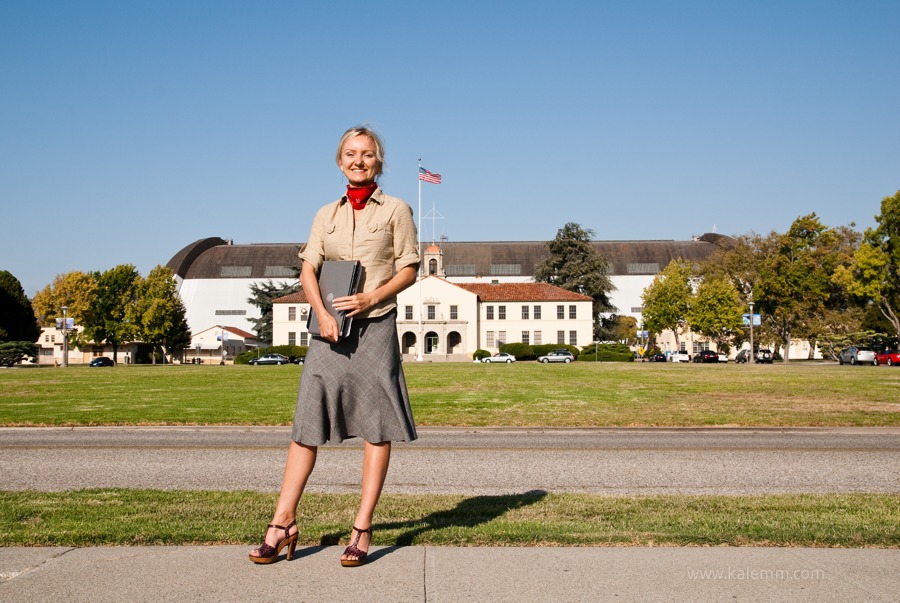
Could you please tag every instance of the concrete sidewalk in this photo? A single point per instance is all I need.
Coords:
(438, 574)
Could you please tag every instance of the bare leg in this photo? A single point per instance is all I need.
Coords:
(376, 458)
(300, 462)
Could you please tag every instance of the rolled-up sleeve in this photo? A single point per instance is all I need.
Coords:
(406, 244)
(314, 249)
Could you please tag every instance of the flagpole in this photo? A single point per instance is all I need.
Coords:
(421, 340)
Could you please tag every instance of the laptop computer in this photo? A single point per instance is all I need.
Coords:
(336, 279)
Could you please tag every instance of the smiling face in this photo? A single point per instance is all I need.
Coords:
(359, 160)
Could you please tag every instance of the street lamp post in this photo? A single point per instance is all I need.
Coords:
(65, 337)
(752, 354)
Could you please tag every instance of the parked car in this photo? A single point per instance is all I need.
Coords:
(762, 356)
(857, 355)
(723, 357)
(102, 361)
(557, 356)
(500, 357)
(298, 359)
(706, 356)
(679, 357)
(888, 357)
(270, 359)
(658, 357)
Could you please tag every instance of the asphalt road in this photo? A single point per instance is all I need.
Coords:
(465, 461)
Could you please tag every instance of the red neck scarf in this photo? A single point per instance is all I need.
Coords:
(358, 195)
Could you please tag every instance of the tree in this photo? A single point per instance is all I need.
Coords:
(262, 298)
(796, 281)
(574, 265)
(13, 352)
(667, 299)
(621, 329)
(716, 310)
(874, 274)
(112, 318)
(159, 313)
(75, 290)
(17, 321)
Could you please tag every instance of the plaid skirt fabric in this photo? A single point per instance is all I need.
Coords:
(355, 388)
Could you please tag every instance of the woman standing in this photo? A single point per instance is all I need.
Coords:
(352, 387)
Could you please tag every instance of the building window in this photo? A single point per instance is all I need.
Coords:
(490, 339)
(432, 266)
(501, 312)
(637, 309)
(454, 312)
(431, 312)
(561, 338)
(573, 312)
(537, 338)
(524, 312)
(490, 313)
(46, 338)
(560, 312)
(292, 313)
(537, 312)
(525, 338)
(304, 338)
(292, 338)
(573, 338)
(409, 313)
(501, 338)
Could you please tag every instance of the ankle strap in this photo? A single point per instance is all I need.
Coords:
(361, 531)
(285, 528)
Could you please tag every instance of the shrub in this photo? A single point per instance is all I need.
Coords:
(607, 352)
(545, 348)
(522, 351)
(479, 354)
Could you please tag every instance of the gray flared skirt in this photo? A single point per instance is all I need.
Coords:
(355, 388)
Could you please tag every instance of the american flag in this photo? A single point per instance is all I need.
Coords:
(428, 176)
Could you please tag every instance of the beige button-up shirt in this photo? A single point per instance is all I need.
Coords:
(383, 240)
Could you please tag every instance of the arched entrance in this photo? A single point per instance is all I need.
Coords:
(408, 344)
(431, 342)
(454, 340)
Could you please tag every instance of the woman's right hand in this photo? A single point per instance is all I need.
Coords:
(328, 328)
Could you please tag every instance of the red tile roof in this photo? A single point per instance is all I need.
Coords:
(294, 298)
(490, 292)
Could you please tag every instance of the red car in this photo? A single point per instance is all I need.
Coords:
(888, 357)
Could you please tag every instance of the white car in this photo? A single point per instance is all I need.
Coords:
(500, 357)
(723, 357)
(557, 356)
(679, 357)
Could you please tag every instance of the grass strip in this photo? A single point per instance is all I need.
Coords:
(581, 394)
(109, 517)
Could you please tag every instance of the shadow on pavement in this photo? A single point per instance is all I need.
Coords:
(468, 513)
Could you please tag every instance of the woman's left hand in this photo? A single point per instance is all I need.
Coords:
(354, 304)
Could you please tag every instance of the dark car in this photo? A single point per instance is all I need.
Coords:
(270, 359)
(706, 356)
(658, 357)
(298, 359)
(102, 361)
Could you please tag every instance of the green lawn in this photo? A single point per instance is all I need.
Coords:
(153, 517)
(521, 394)
(464, 394)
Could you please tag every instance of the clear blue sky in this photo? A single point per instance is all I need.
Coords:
(131, 129)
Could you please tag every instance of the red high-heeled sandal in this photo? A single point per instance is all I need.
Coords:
(353, 550)
(269, 553)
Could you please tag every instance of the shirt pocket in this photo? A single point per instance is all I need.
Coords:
(335, 242)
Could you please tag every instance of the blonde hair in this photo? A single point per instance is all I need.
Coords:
(363, 131)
